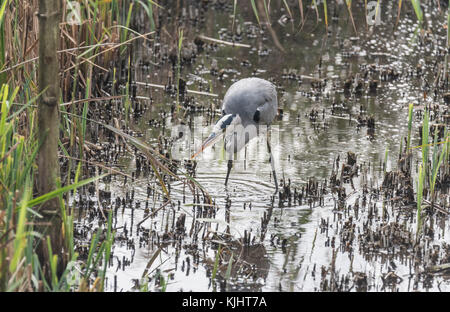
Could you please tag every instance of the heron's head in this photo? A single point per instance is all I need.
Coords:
(218, 131)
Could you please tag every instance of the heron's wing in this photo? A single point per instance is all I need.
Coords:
(251, 96)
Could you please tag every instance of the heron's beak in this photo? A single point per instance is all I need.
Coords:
(218, 131)
(213, 138)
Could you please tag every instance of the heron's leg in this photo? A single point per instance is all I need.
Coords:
(229, 166)
(272, 162)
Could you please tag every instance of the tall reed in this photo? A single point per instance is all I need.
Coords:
(20, 269)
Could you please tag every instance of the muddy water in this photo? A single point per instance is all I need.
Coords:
(316, 126)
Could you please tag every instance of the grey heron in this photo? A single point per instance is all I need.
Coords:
(247, 104)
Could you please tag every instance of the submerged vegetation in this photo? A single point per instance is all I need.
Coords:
(109, 52)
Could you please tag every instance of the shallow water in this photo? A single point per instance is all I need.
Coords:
(303, 148)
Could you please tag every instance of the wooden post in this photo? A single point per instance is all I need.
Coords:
(48, 132)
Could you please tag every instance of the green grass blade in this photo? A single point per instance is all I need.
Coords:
(410, 119)
(419, 199)
(20, 235)
(425, 147)
(255, 11)
(43, 198)
(417, 10)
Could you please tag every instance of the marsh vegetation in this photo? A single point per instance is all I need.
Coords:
(360, 142)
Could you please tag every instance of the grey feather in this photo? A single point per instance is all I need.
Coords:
(249, 95)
